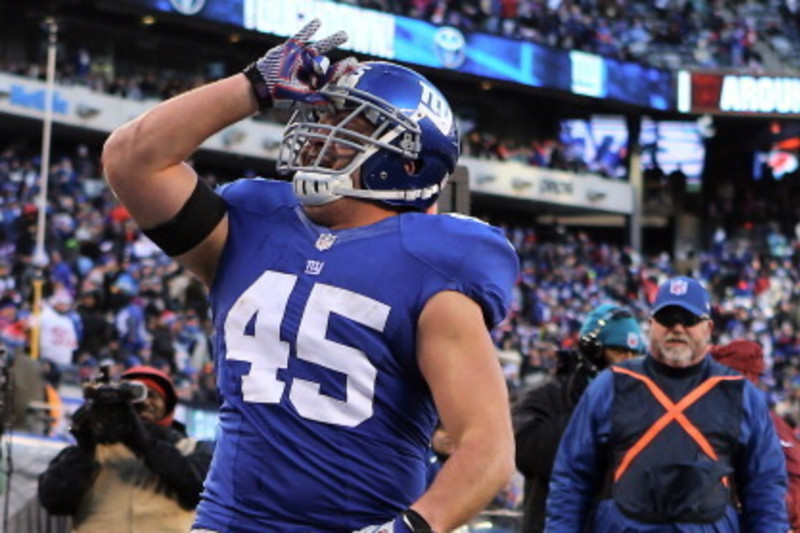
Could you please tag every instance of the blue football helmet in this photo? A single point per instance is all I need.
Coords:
(412, 123)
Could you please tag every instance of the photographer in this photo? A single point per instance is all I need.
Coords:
(609, 334)
(132, 463)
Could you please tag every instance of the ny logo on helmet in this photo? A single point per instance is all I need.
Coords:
(434, 106)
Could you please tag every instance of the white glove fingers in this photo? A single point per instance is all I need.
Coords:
(323, 46)
(307, 31)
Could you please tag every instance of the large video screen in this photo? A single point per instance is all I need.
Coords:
(598, 144)
(780, 151)
(674, 146)
(398, 38)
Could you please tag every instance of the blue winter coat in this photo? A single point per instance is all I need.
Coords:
(579, 471)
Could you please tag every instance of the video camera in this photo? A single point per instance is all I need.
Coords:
(108, 406)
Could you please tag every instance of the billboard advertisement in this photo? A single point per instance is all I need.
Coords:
(736, 94)
(418, 42)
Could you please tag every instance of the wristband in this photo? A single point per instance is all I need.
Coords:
(259, 86)
(415, 522)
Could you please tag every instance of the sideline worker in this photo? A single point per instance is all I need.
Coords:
(673, 441)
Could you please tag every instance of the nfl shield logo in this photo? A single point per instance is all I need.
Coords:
(678, 287)
(325, 241)
(633, 340)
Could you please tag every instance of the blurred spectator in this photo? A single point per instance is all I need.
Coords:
(28, 387)
(609, 335)
(161, 328)
(59, 332)
(129, 317)
(747, 357)
(206, 391)
(98, 334)
(441, 448)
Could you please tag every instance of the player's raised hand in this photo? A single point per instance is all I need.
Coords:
(337, 70)
(291, 73)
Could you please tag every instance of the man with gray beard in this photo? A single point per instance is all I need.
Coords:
(672, 441)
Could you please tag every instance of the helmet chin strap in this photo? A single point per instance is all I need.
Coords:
(316, 188)
(320, 188)
(313, 189)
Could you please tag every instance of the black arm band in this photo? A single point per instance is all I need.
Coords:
(415, 522)
(195, 221)
(259, 86)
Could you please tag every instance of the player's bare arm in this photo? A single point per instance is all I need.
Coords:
(459, 362)
(144, 160)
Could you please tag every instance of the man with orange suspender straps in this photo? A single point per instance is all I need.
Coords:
(672, 441)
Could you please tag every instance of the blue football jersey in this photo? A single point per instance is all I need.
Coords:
(326, 419)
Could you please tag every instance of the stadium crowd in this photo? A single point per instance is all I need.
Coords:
(111, 295)
(544, 152)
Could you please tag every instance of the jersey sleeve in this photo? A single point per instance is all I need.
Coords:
(257, 194)
(473, 258)
(489, 273)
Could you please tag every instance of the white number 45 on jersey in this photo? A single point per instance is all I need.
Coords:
(267, 353)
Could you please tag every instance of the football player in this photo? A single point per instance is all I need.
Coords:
(347, 319)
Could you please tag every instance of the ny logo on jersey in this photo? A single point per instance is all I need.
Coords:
(325, 241)
(313, 267)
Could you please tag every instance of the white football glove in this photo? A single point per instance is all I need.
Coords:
(291, 73)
